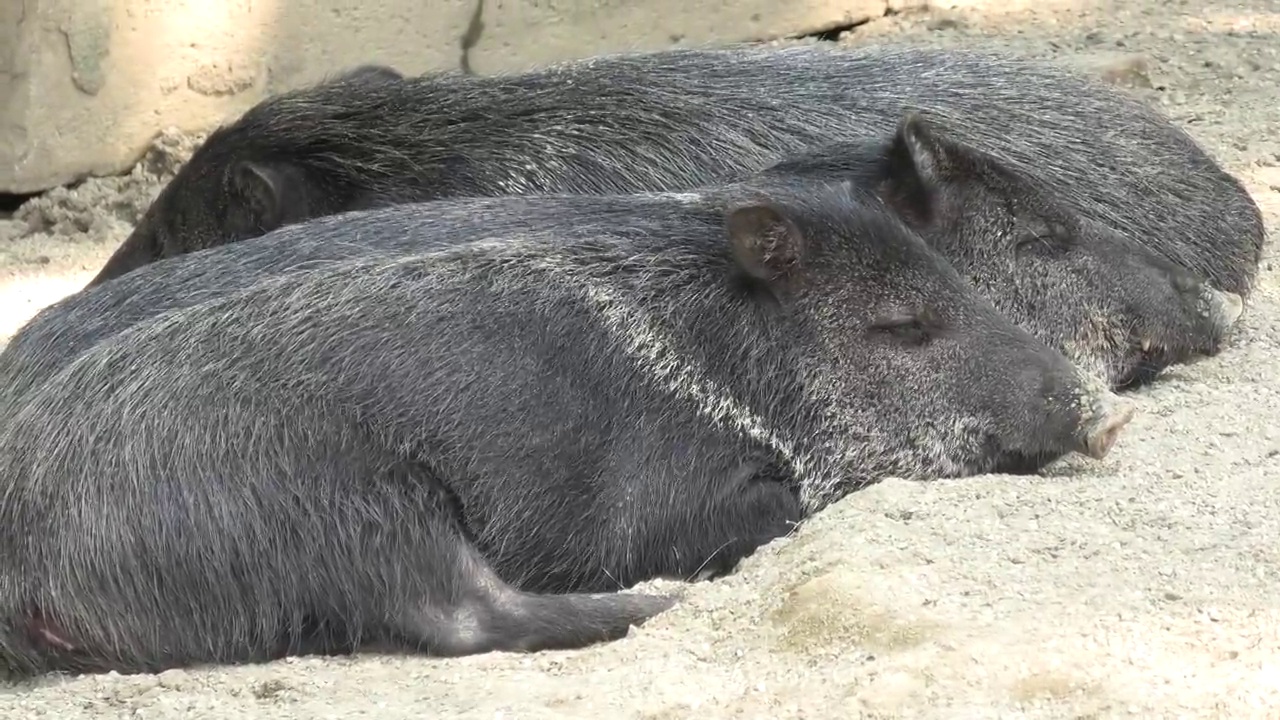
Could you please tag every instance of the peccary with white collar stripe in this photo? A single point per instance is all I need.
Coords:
(424, 452)
(679, 119)
(1111, 305)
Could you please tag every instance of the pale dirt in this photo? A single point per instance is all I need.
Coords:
(1144, 585)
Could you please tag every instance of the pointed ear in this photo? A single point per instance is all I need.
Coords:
(371, 74)
(766, 244)
(141, 247)
(274, 193)
(915, 168)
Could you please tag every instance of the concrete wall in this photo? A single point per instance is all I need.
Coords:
(85, 84)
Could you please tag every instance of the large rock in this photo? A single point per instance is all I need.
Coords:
(85, 84)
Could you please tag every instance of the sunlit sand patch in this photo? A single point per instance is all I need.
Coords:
(22, 296)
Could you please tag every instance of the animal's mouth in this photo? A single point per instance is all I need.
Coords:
(1147, 357)
(1022, 463)
(1142, 368)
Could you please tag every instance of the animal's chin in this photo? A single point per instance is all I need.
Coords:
(999, 458)
(1139, 369)
(1021, 463)
(1000, 462)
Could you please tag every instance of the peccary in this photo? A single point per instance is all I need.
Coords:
(677, 119)
(1111, 305)
(422, 452)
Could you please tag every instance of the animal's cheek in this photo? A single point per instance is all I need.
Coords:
(991, 275)
(1050, 271)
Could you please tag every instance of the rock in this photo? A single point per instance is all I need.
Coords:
(1124, 69)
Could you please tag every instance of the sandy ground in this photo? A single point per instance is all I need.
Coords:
(1144, 585)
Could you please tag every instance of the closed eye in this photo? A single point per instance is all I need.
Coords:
(1042, 244)
(1043, 235)
(910, 328)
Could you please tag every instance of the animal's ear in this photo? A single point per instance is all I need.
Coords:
(141, 247)
(371, 73)
(274, 194)
(766, 244)
(916, 165)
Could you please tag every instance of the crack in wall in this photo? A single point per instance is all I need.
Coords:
(471, 37)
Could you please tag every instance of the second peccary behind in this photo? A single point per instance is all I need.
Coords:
(1113, 306)
(677, 119)
(412, 452)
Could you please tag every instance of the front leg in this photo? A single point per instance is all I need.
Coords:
(757, 506)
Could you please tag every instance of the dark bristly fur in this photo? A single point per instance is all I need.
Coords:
(681, 118)
(418, 452)
(980, 232)
(1113, 306)
(1078, 287)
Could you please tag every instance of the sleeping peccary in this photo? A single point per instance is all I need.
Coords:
(1111, 305)
(676, 119)
(424, 452)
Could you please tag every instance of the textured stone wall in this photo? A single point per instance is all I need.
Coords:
(85, 84)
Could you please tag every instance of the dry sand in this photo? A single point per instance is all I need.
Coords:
(1144, 585)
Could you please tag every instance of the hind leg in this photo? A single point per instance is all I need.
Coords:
(477, 612)
(440, 596)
